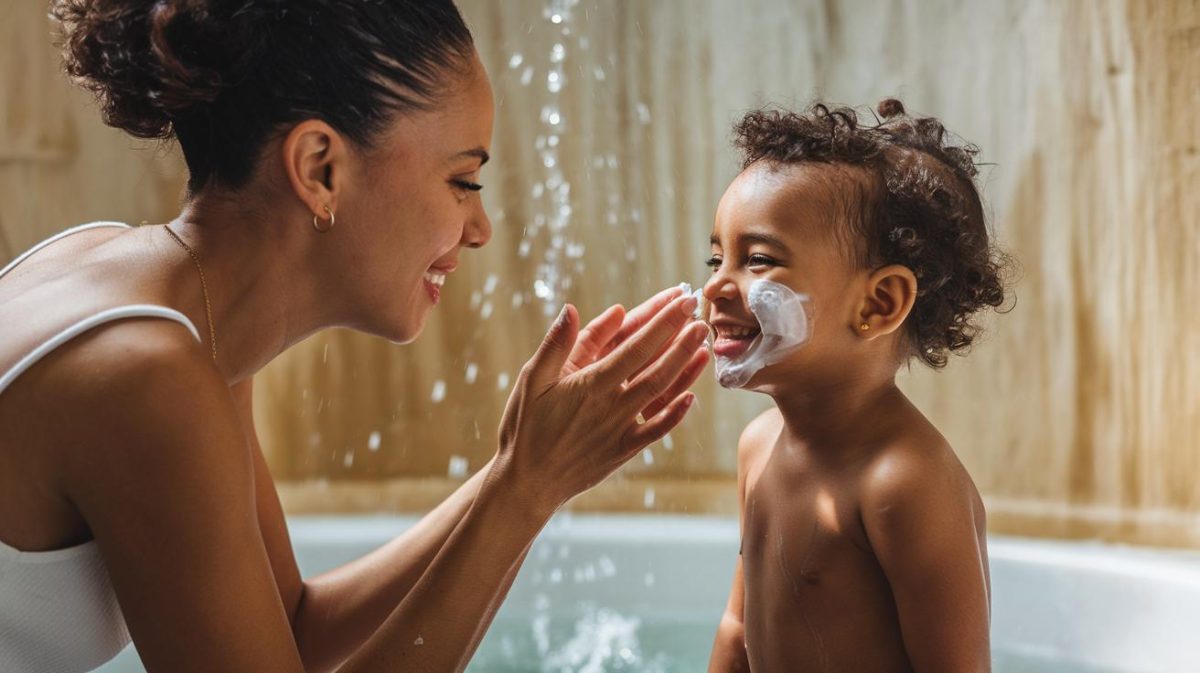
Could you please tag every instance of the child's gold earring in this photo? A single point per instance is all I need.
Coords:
(864, 327)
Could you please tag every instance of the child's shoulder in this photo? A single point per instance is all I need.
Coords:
(919, 470)
(760, 434)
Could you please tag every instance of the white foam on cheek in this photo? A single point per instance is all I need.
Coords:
(784, 324)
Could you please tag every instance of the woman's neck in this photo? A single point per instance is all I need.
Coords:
(262, 281)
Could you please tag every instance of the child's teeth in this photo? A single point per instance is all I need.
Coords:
(437, 279)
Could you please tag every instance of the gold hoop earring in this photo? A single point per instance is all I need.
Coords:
(324, 228)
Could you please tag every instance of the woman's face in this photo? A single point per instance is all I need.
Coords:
(412, 203)
(777, 223)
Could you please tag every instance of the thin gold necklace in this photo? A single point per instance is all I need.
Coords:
(212, 331)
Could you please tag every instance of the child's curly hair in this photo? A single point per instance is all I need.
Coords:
(923, 211)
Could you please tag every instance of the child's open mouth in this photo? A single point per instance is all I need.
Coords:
(733, 341)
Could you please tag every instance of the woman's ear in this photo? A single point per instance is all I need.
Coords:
(314, 157)
(890, 294)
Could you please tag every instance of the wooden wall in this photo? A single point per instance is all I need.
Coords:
(1079, 415)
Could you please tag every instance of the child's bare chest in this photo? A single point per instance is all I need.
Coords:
(814, 588)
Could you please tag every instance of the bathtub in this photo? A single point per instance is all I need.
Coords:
(644, 593)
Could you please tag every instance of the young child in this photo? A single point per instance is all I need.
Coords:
(841, 252)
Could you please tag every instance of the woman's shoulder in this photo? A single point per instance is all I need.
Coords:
(123, 387)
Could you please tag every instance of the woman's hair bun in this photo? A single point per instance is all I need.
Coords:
(890, 107)
(148, 61)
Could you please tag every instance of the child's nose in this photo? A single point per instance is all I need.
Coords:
(720, 286)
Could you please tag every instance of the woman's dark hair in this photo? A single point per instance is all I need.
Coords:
(920, 209)
(222, 76)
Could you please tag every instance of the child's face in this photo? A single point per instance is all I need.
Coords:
(783, 224)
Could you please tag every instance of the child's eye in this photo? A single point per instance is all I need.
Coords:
(761, 260)
(713, 263)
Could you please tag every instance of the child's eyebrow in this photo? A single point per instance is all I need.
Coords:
(754, 237)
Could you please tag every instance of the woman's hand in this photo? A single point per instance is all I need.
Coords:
(572, 418)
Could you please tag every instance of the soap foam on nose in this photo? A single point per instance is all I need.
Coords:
(698, 294)
(784, 326)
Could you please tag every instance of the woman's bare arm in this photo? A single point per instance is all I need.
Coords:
(334, 613)
(169, 491)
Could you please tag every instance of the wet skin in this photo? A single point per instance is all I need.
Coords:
(863, 537)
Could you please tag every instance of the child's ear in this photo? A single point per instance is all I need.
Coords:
(890, 294)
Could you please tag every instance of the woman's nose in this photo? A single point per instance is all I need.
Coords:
(478, 230)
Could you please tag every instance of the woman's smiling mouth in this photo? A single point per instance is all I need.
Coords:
(433, 281)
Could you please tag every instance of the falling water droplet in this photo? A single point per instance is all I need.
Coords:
(648, 457)
(557, 53)
(348, 459)
(458, 467)
(515, 61)
(472, 372)
(643, 112)
(668, 443)
(374, 441)
(439, 391)
(486, 311)
(527, 76)
(502, 381)
(648, 498)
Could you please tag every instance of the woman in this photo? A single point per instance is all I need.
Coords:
(333, 149)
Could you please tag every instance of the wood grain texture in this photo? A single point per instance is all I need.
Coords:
(1078, 414)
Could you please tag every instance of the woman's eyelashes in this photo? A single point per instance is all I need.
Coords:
(466, 185)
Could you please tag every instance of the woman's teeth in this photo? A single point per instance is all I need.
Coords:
(437, 279)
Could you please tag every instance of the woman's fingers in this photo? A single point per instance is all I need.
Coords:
(647, 343)
(686, 379)
(595, 337)
(545, 367)
(640, 436)
(656, 378)
(640, 315)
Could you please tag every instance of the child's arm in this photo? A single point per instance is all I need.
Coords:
(925, 525)
(729, 647)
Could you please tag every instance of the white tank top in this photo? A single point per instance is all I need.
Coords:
(58, 611)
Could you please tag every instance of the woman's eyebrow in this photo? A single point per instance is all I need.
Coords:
(477, 152)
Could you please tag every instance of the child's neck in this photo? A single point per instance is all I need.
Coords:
(850, 412)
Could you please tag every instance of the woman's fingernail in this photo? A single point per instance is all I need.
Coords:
(688, 305)
(689, 401)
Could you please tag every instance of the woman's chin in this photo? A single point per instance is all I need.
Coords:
(401, 331)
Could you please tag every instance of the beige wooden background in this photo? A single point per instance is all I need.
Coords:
(1079, 415)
